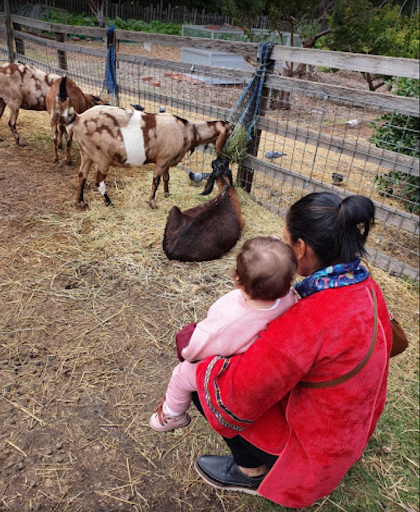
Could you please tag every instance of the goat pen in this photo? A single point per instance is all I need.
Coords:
(309, 135)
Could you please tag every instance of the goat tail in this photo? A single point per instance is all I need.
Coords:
(62, 95)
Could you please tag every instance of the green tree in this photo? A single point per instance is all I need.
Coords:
(244, 13)
(359, 27)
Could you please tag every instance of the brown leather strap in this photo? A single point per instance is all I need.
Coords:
(360, 366)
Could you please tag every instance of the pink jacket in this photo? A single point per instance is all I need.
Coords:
(231, 326)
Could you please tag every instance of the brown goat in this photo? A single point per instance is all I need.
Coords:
(63, 94)
(208, 231)
(124, 137)
(23, 86)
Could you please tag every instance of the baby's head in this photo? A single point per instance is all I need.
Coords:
(265, 267)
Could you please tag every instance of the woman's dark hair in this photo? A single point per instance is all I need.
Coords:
(265, 267)
(335, 229)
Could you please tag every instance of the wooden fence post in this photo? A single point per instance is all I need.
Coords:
(246, 176)
(61, 54)
(9, 31)
(19, 44)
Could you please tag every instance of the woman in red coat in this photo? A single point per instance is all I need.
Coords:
(292, 442)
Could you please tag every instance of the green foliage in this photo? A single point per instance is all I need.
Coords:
(244, 12)
(359, 27)
(69, 19)
(155, 27)
(400, 133)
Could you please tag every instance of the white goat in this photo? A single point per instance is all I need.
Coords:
(124, 137)
(23, 86)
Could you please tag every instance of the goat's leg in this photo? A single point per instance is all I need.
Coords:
(69, 137)
(166, 184)
(62, 132)
(2, 107)
(12, 125)
(100, 183)
(54, 128)
(160, 170)
(155, 185)
(85, 165)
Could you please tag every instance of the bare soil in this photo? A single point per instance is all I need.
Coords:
(86, 349)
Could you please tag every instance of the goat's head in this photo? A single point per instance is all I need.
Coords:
(69, 115)
(95, 100)
(225, 131)
(221, 171)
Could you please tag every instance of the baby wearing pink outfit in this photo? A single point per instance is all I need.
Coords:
(265, 267)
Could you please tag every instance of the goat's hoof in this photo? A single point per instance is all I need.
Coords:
(21, 144)
(152, 205)
(69, 163)
(82, 204)
(55, 161)
(167, 194)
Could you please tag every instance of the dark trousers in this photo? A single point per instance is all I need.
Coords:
(244, 453)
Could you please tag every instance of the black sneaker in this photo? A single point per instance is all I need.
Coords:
(223, 473)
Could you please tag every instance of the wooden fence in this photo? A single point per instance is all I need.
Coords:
(126, 9)
(313, 130)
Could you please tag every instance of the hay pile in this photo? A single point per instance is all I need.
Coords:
(89, 309)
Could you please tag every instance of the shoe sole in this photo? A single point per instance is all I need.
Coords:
(217, 485)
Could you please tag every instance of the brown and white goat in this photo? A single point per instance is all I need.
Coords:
(23, 86)
(124, 137)
(64, 93)
(208, 231)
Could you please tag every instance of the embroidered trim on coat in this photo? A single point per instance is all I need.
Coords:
(219, 401)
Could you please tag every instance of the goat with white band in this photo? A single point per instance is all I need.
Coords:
(124, 137)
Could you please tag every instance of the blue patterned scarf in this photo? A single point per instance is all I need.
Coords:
(334, 276)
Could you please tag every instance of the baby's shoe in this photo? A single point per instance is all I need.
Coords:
(162, 422)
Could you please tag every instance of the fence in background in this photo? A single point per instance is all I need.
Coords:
(132, 10)
(324, 133)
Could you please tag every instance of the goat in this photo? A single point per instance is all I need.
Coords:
(63, 94)
(124, 137)
(208, 231)
(23, 86)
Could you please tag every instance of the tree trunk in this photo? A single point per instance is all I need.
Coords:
(98, 10)
(369, 79)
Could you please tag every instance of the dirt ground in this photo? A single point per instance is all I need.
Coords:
(87, 345)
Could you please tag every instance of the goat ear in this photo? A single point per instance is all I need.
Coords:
(209, 185)
(222, 138)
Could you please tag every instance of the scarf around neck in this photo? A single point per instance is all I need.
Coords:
(334, 276)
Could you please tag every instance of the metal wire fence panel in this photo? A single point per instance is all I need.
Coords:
(308, 137)
(317, 142)
(4, 54)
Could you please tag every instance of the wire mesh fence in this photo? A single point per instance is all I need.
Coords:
(308, 136)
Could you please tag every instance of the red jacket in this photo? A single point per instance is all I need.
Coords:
(318, 434)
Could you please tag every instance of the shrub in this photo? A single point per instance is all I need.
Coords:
(400, 133)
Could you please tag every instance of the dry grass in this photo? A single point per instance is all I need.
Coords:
(89, 309)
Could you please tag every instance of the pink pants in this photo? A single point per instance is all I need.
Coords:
(180, 387)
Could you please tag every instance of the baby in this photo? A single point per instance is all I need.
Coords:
(265, 267)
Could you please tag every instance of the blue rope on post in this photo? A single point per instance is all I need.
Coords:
(110, 82)
(245, 112)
